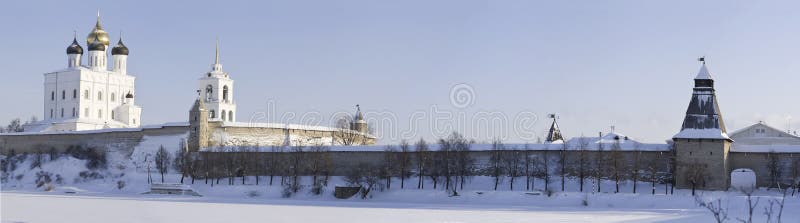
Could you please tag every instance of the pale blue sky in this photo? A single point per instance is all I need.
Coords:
(595, 63)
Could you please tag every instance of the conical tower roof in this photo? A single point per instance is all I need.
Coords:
(554, 134)
(703, 118)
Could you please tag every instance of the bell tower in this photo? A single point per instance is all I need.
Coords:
(216, 89)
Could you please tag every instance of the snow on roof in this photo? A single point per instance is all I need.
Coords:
(286, 126)
(701, 134)
(765, 148)
(703, 73)
(483, 147)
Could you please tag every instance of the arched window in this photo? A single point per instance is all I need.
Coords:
(99, 113)
(134, 121)
(113, 97)
(74, 93)
(74, 112)
(86, 112)
(86, 94)
(63, 94)
(230, 116)
(62, 112)
(223, 115)
(112, 114)
(211, 114)
(225, 93)
(52, 95)
(99, 95)
(51, 113)
(209, 92)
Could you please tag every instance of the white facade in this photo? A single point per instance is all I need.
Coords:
(216, 90)
(89, 96)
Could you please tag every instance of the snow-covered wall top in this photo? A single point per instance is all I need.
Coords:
(168, 124)
(480, 147)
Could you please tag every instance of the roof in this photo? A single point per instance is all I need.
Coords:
(703, 74)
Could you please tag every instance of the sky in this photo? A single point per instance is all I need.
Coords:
(422, 69)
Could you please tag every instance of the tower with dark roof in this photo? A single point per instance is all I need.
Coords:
(702, 146)
(554, 133)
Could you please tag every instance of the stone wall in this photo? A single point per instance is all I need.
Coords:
(341, 162)
(104, 141)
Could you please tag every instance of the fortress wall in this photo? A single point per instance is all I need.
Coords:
(105, 140)
(257, 163)
(269, 136)
(760, 164)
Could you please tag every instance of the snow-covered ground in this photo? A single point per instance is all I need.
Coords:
(95, 196)
(101, 201)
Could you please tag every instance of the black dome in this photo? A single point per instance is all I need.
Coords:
(74, 48)
(129, 95)
(120, 49)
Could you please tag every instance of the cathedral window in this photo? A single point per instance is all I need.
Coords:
(112, 115)
(99, 95)
(223, 115)
(209, 92)
(73, 112)
(74, 93)
(86, 112)
(52, 95)
(62, 112)
(212, 114)
(225, 93)
(230, 115)
(99, 113)
(63, 94)
(113, 97)
(51, 113)
(86, 94)
(134, 121)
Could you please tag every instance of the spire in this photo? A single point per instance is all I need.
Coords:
(703, 73)
(217, 67)
(97, 25)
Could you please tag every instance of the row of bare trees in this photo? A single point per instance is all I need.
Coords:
(449, 167)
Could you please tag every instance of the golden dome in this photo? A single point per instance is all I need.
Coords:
(98, 33)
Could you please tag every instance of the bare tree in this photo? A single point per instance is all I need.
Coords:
(616, 159)
(387, 171)
(751, 206)
(583, 160)
(317, 165)
(600, 164)
(634, 171)
(162, 160)
(296, 166)
(404, 162)
(344, 133)
(181, 162)
(511, 165)
(528, 162)
(423, 155)
(365, 176)
(719, 212)
(495, 162)
(562, 162)
(774, 168)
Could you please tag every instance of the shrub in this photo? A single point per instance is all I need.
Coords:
(120, 184)
(252, 193)
(43, 178)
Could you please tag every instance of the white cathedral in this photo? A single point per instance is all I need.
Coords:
(89, 96)
(94, 95)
